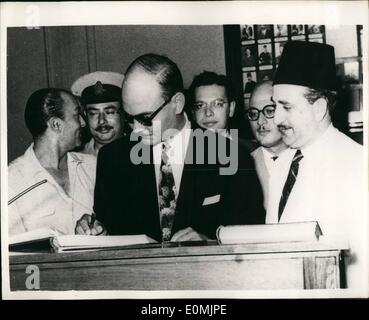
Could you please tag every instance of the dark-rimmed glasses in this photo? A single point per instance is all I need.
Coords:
(145, 119)
(268, 112)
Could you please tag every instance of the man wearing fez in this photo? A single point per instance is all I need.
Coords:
(100, 94)
(324, 180)
(272, 149)
(50, 186)
(168, 198)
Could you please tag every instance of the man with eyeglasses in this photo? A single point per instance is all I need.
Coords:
(169, 198)
(272, 149)
(212, 103)
(100, 94)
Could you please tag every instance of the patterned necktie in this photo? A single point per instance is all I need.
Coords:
(290, 181)
(167, 195)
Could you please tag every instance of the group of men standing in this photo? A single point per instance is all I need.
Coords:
(303, 170)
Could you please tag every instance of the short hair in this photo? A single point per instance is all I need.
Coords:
(208, 78)
(41, 106)
(166, 71)
(312, 95)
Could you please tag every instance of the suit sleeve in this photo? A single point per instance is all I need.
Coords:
(245, 197)
(100, 193)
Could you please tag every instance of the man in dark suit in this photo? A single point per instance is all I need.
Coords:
(172, 188)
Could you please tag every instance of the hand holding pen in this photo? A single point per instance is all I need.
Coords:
(88, 225)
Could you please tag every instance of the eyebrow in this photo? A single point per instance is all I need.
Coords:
(140, 114)
(106, 107)
(280, 101)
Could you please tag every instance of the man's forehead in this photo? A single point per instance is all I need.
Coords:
(213, 90)
(103, 105)
(261, 96)
(288, 91)
(140, 85)
(70, 101)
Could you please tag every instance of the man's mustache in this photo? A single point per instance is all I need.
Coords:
(104, 127)
(282, 127)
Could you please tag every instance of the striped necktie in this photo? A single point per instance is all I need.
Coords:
(290, 181)
(167, 195)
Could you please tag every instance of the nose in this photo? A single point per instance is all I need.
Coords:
(102, 118)
(278, 115)
(82, 121)
(261, 119)
(209, 111)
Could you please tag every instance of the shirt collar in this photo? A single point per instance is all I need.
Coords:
(319, 143)
(33, 161)
(180, 139)
(72, 157)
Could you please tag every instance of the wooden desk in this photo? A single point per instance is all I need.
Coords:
(213, 267)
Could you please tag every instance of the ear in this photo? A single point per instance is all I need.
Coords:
(320, 108)
(232, 107)
(55, 124)
(179, 101)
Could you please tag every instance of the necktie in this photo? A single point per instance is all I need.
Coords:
(290, 181)
(167, 195)
(274, 158)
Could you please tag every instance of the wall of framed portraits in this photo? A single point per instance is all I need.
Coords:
(262, 46)
(253, 53)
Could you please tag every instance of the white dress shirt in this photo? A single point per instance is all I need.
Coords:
(329, 189)
(48, 205)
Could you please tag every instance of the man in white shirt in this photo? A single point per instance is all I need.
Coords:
(272, 149)
(63, 181)
(324, 182)
(100, 95)
(172, 195)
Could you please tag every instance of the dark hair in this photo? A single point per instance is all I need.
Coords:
(166, 71)
(42, 105)
(330, 96)
(208, 78)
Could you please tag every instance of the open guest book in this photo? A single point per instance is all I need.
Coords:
(50, 240)
(268, 233)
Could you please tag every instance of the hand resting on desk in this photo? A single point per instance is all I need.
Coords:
(83, 227)
(188, 234)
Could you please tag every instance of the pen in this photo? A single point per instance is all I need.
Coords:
(92, 221)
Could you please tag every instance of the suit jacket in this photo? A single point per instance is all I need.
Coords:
(126, 199)
(262, 172)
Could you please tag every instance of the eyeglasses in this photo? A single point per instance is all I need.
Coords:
(215, 104)
(268, 112)
(146, 119)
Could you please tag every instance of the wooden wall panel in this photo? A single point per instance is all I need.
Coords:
(56, 56)
(66, 55)
(193, 48)
(26, 73)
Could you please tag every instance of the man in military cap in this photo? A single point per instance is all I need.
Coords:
(324, 180)
(100, 94)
